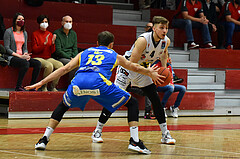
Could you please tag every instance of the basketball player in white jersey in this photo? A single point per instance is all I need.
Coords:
(148, 48)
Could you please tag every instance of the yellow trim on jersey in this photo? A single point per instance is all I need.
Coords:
(115, 65)
(109, 83)
(79, 60)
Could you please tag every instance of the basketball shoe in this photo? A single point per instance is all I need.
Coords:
(138, 147)
(174, 111)
(42, 143)
(97, 136)
(167, 138)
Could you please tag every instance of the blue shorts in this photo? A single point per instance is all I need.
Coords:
(85, 86)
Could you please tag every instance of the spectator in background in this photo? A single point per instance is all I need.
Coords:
(66, 43)
(209, 9)
(144, 4)
(43, 45)
(15, 42)
(218, 5)
(169, 89)
(232, 23)
(190, 15)
(2, 27)
(148, 27)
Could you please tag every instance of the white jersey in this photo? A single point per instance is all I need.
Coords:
(153, 50)
(149, 55)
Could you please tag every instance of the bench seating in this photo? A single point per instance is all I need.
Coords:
(47, 101)
(84, 13)
(226, 59)
(232, 79)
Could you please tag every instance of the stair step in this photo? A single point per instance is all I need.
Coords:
(188, 64)
(117, 5)
(201, 79)
(127, 15)
(205, 86)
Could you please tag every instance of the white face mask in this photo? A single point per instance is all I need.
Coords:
(68, 26)
(44, 25)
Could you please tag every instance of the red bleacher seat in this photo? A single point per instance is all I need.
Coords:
(84, 13)
(209, 58)
(47, 101)
(232, 79)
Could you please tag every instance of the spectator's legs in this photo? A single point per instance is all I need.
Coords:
(205, 31)
(36, 69)
(168, 90)
(181, 89)
(221, 35)
(184, 24)
(23, 66)
(230, 26)
(71, 73)
(56, 65)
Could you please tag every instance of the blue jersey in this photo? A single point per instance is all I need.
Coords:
(92, 81)
(99, 60)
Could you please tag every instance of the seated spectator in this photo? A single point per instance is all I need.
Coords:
(66, 43)
(231, 20)
(209, 9)
(168, 90)
(218, 5)
(43, 45)
(148, 27)
(15, 42)
(190, 15)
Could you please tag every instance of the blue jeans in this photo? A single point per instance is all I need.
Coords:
(230, 29)
(188, 25)
(168, 90)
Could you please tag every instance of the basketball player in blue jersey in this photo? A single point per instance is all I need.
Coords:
(92, 81)
(148, 48)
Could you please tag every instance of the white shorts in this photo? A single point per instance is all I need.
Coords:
(124, 77)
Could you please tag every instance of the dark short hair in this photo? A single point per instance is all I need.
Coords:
(14, 21)
(105, 38)
(40, 18)
(159, 19)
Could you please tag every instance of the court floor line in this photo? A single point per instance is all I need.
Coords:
(118, 129)
(25, 154)
(185, 147)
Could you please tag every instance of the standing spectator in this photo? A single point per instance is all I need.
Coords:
(190, 15)
(232, 23)
(15, 42)
(66, 43)
(43, 45)
(209, 9)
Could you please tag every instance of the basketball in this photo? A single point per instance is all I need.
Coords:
(165, 72)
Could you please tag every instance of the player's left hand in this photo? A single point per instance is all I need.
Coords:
(157, 79)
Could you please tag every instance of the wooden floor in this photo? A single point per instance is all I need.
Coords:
(197, 137)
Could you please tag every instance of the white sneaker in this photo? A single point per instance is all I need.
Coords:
(174, 111)
(167, 138)
(165, 112)
(41, 144)
(97, 137)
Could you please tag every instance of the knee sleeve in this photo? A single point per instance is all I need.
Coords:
(105, 115)
(151, 93)
(133, 110)
(59, 112)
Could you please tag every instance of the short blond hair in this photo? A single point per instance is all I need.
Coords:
(159, 19)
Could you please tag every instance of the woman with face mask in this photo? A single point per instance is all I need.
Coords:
(43, 45)
(15, 42)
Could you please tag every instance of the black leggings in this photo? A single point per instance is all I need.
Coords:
(151, 92)
(23, 66)
(133, 111)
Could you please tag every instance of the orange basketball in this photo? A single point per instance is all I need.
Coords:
(165, 72)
